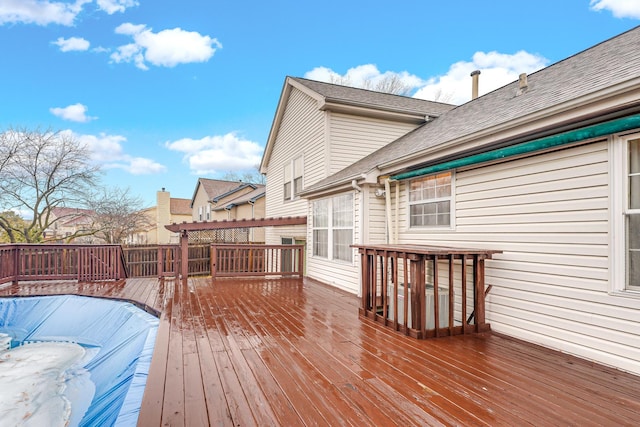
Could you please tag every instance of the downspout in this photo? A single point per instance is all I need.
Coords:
(387, 199)
(397, 216)
(565, 138)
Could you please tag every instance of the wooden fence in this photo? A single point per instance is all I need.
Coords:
(20, 262)
(228, 260)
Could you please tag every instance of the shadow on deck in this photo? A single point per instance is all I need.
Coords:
(292, 352)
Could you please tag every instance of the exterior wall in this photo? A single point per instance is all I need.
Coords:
(301, 132)
(354, 137)
(341, 274)
(163, 216)
(200, 200)
(549, 214)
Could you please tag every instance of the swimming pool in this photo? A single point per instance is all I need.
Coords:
(100, 345)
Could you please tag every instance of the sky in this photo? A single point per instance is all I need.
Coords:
(165, 92)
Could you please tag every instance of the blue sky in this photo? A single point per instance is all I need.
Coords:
(167, 91)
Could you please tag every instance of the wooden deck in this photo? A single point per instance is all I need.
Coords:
(249, 352)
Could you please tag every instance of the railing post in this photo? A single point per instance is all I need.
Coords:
(418, 293)
(479, 285)
(160, 270)
(184, 254)
(214, 261)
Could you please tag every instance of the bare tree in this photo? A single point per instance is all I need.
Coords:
(389, 83)
(254, 176)
(41, 170)
(118, 214)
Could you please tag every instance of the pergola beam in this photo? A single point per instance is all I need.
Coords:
(236, 223)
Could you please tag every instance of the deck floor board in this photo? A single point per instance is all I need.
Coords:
(288, 352)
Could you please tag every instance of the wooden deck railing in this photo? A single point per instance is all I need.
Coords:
(166, 260)
(20, 262)
(228, 260)
(424, 291)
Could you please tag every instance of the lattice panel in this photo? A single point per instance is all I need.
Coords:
(230, 235)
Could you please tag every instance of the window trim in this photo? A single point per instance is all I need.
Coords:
(330, 228)
(451, 199)
(619, 174)
(295, 174)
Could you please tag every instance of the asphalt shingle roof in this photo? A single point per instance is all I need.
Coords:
(609, 63)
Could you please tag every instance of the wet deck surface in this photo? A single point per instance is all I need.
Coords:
(255, 352)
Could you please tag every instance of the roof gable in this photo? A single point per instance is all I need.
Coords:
(354, 101)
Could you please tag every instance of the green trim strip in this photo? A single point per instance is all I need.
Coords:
(594, 131)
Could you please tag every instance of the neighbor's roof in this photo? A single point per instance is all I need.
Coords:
(215, 187)
(357, 101)
(599, 68)
(180, 206)
(250, 197)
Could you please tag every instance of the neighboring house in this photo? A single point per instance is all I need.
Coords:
(545, 169)
(217, 200)
(66, 222)
(319, 129)
(168, 210)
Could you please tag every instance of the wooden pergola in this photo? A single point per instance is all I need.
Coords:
(186, 227)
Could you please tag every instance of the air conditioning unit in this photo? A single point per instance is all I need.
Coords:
(443, 313)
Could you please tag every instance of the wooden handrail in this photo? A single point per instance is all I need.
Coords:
(235, 260)
(23, 261)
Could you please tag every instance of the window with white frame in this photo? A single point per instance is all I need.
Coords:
(430, 201)
(632, 213)
(333, 227)
(293, 178)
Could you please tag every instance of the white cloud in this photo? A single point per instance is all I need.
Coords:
(166, 48)
(73, 113)
(113, 6)
(619, 8)
(108, 151)
(40, 12)
(497, 70)
(213, 154)
(72, 44)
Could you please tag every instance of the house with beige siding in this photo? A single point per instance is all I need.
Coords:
(168, 210)
(318, 130)
(219, 200)
(545, 169)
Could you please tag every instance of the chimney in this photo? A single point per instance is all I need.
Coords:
(475, 76)
(523, 84)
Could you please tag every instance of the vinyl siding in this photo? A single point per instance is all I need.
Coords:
(354, 137)
(549, 214)
(301, 133)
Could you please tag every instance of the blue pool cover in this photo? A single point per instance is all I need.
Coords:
(121, 335)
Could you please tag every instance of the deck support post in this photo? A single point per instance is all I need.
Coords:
(184, 254)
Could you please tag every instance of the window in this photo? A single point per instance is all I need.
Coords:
(208, 212)
(199, 213)
(430, 201)
(293, 178)
(333, 227)
(632, 211)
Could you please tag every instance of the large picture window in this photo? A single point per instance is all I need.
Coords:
(333, 227)
(430, 201)
(632, 222)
